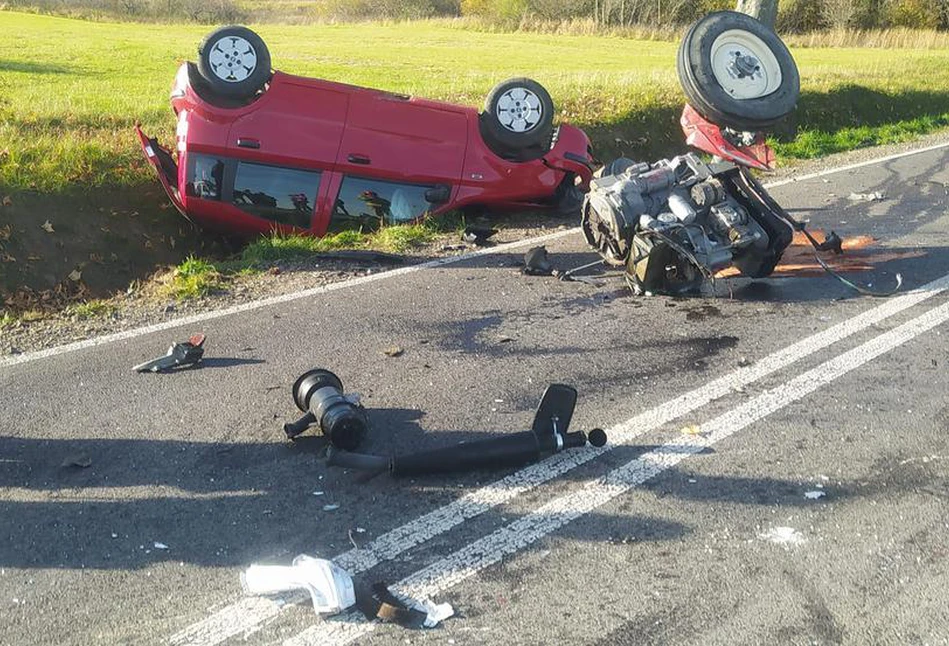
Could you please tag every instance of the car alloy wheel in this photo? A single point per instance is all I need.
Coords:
(232, 59)
(519, 110)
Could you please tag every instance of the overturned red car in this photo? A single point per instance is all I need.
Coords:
(259, 150)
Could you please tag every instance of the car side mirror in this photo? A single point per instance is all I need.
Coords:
(438, 194)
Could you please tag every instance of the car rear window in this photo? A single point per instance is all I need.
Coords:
(282, 195)
(369, 203)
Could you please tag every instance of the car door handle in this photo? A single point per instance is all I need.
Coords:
(246, 142)
(359, 159)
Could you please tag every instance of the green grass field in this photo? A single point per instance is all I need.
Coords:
(70, 91)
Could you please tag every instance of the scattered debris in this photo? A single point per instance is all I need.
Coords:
(330, 507)
(80, 460)
(785, 536)
(75, 275)
(330, 586)
(548, 435)
(394, 351)
(692, 429)
(341, 418)
(379, 602)
(537, 263)
(814, 495)
(159, 546)
(876, 196)
(7, 201)
(478, 236)
(187, 353)
(318, 493)
(47, 227)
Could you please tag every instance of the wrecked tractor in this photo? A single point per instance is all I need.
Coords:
(676, 222)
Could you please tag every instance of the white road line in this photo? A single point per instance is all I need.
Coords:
(120, 495)
(275, 300)
(492, 548)
(249, 614)
(863, 164)
(440, 262)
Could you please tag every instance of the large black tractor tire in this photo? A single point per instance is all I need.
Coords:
(737, 73)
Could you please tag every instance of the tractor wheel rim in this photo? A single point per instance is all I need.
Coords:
(744, 65)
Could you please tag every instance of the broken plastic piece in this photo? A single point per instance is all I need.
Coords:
(478, 236)
(379, 602)
(179, 354)
(330, 586)
(536, 262)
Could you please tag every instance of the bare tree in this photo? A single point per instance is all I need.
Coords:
(764, 10)
(839, 13)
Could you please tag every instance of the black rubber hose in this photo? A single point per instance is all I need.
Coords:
(507, 451)
(360, 461)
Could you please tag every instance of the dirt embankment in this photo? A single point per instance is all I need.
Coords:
(56, 249)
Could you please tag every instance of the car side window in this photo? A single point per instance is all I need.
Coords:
(282, 195)
(368, 203)
(205, 176)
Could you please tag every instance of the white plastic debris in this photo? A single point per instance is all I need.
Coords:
(785, 536)
(876, 196)
(436, 613)
(814, 495)
(330, 586)
(160, 546)
(331, 507)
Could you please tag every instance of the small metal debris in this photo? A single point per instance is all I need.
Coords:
(876, 196)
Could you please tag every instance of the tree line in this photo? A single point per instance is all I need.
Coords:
(794, 16)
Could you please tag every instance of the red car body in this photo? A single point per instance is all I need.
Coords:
(316, 156)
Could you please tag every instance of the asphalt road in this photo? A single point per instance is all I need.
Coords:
(778, 470)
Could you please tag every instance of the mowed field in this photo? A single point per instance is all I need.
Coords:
(71, 91)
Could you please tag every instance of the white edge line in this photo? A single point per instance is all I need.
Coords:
(869, 162)
(595, 492)
(440, 262)
(275, 300)
(248, 614)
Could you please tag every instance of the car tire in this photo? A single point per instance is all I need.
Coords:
(737, 72)
(518, 118)
(234, 61)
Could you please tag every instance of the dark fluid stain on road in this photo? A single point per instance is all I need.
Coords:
(702, 312)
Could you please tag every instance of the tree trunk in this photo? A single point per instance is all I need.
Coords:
(764, 10)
